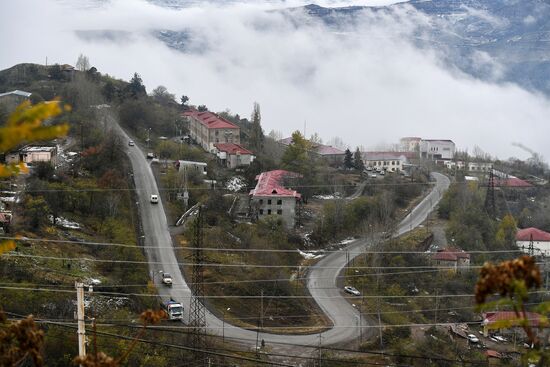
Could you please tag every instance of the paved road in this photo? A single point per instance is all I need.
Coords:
(321, 277)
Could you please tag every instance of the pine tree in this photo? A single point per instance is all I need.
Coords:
(358, 160)
(348, 159)
(256, 131)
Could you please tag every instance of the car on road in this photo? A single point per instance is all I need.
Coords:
(472, 338)
(373, 175)
(352, 290)
(154, 199)
(500, 338)
(131, 143)
(150, 155)
(167, 279)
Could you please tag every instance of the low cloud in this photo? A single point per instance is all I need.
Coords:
(367, 82)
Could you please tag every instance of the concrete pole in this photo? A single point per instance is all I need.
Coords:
(80, 319)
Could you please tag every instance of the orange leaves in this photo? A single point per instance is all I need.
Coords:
(25, 126)
(20, 340)
(6, 246)
(509, 278)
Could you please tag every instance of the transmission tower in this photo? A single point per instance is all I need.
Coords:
(490, 206)
(196, 310)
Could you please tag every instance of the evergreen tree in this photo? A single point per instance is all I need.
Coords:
(358, 160)
(296, 157)
(256, 131)
(136, 88)
(348, 159)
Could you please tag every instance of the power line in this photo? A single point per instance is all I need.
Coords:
(321, 252)
(236, 265)
(107, 294)
(284, 343)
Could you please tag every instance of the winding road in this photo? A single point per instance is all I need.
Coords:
(322, 277)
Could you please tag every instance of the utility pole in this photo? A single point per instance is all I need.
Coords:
(196, 309)
(80, 319)
(320, 350)
(490, 205)
(531, 246)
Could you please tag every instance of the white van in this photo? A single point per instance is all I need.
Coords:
(154, 199)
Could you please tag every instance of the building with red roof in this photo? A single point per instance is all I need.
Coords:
(233, 155)
(495, 319)
(451, 259)
(540, 239)
(207, 128)
(271, 197)
(511, 182)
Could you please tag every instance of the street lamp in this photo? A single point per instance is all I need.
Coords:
(223, 324)
(148, 137)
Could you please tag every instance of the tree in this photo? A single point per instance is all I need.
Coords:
(506, 233)
(184, 99)
(135, 88)
(162, 95)
(83, 63)
(315, 139)
(55, 72)
(296, 157)
(358, 160)
(109, 91)
(202, 108)
(256, 131)
(348, 159)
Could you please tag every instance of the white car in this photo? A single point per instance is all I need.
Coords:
(373, 175)
(131, 143)
(500, 338)
(150, 155)
(166, 279)
(472, 338)
(154, 199)
(352, 290)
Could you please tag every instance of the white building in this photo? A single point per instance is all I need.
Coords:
(206, 129)
(437, 149)
(389, 161)
(233, 155)
(472, 166)
(541, 240)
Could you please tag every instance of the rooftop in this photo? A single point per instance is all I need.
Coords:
(495, 316)
(377, 156)
(271, 184)
(511, 182)
(32, 148)
(17, 93)
(450, 254)
(210, 120)
(439, 140)
(527, 233)
(231, 148)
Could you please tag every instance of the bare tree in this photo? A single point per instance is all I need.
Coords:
(83, 63)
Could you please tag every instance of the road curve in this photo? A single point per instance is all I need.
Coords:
(321, 277)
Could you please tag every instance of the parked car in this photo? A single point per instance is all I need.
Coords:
(500, 338)
(154, 199)
(150, 155)
(472, 338)
(131, 143)
(352, 290)
(373, 175)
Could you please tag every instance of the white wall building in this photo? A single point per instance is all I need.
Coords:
(541, 240)
(437, 149)
(31, 154)
(389, 161)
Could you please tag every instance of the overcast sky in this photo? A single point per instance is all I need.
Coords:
(369, 86)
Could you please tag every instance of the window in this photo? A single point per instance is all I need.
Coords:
(268, 211)
(268, 201)
(261, 201)
(280, 211)
(261, 212)
(279, 202)
(217, 132)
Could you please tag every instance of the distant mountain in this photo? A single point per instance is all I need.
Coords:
(514, 33)
(496, 40)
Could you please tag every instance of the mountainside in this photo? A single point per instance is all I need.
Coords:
(502, 40)
(497, 40)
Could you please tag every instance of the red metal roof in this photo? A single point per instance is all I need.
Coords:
(538, 235)
(328, 150)
(450, 254)
(271, 184)
(210, 119)
(511, 182)
(492, 317)
(232, 148)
